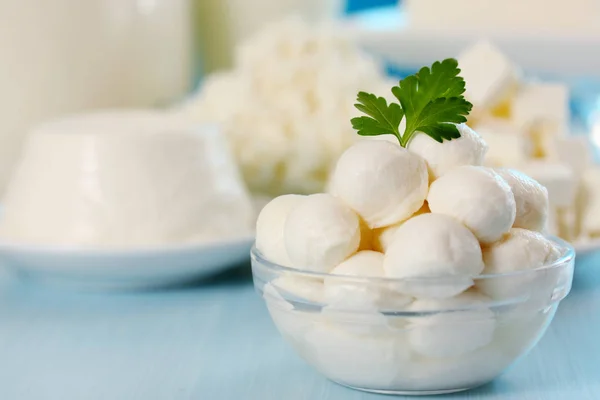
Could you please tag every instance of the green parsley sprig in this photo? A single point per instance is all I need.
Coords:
(432, 101)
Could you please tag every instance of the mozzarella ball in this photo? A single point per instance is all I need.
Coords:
(269, 228)
(465, 371)
(477, 197)
(280, 296)
(519, 250)
(366, 361)
(531, 199)
(469, 149)
(382, 237)
(320, 233)
(381, 181)
(463, 325)
(433, 246)
(344, 292)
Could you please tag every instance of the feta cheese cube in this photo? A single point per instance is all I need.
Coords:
(508, 147)
(489, 75)
(558, 178)
(544, 106)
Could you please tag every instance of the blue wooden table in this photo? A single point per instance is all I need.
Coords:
(214, 340)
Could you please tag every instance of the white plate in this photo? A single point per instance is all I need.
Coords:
(385, 33)
(124, 269)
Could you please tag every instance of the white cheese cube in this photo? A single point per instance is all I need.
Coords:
(489, 75)
(542, 104)
(508, 147)
(558, 178)
(574, 151)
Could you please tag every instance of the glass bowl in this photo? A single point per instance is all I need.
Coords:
(365, 333)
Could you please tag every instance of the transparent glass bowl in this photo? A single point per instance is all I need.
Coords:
(366, 334)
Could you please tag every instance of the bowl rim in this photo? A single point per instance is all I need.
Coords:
(567, 256)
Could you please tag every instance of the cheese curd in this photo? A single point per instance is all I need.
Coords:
(478, 197)
(531, 199)
(320, 233)
(269, 228)
(451, 334)
(469, 149)
(519, 250)
(433, 246)
(381, 181)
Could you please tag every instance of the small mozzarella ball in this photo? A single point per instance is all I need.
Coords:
(466, 371)
(478, 197)
(531, 199)
(299, 288)
(381, 181)
(469, 149)
(320, 233)
(366, 361)
(343, 292)
(519, 250)
(382, 237)
(280, 296)
(434, 246)
(269, 228)
(462, 325)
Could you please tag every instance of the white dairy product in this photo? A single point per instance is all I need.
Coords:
(366, 361)
(125, 179)
(292, 323)
(381, 181)
(269, 228)
(451, 333)
(469, 149)
(541, 103)
(69, 56)
(478, 197)
(465, 371)
(345, 293)
(575, 151)
(285, 107)
(299, 288)
(320, 233)
(489, 74)
(531, 199)
(520, 250)
(433, 246)
(558, 178)
(382, 237)
(508, 147)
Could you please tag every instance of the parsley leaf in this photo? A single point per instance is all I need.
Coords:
(382, 118)
(431, 100)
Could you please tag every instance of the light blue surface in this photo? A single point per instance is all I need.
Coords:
(215, 341)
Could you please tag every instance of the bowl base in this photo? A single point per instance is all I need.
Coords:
(406, 392)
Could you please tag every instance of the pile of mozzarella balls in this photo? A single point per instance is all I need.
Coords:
(429, 211)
